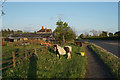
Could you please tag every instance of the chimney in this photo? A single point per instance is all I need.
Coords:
(45, 29)
(42, 27)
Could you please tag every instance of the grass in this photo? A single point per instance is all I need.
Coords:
(109, 60)
(48, 65)
(103, 38)
(7, 50)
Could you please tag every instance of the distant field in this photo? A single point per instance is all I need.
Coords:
(47, 64)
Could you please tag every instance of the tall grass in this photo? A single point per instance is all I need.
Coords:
(48, 65)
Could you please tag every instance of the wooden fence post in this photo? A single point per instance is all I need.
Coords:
(13, 59)
(35, 52)
(26, 55)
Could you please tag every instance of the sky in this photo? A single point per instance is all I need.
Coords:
(61, 0)
(81, 16)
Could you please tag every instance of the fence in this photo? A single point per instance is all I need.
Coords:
(25, 56)
(14, 58)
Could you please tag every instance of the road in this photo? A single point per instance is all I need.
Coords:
(95, 67)
(111, 46)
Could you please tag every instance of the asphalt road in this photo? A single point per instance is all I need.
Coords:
(111, 46)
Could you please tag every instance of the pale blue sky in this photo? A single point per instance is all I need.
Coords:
(62, 0)
(81, 16)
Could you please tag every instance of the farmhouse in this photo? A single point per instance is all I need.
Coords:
(42, 34)
(44, 31)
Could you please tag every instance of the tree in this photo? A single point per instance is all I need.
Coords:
(12, 32)
(19, 32)
(117, 33)
(95, 33)
(81, 36)
(103, 34)
(9, 31)
(86, 34)
(63, 32)
(34, 32)
(110, 34)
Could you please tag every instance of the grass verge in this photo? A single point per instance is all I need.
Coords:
(112, 62)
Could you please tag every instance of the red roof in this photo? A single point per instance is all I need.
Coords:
(44, 30)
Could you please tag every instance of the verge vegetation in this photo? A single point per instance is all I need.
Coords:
(112, 62)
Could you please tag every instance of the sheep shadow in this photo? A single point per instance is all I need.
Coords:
(32, 71)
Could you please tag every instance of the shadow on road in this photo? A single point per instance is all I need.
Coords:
(32, 67)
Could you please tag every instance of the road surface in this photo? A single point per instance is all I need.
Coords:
(111, 46)
(95, 67)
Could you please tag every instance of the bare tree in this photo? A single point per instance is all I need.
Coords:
(60, 16)
(86, 34)
(104, 33)
(95, 33)
(110, 34)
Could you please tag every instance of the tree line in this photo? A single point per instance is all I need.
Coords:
(99, 34)
(5, 32)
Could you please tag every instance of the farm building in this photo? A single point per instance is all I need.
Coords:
(43, 34)
(24, 37)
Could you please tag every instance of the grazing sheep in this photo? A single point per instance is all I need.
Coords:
(62, 51)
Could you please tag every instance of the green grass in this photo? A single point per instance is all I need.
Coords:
(103, 38)
(111, 61)
(48, 65)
